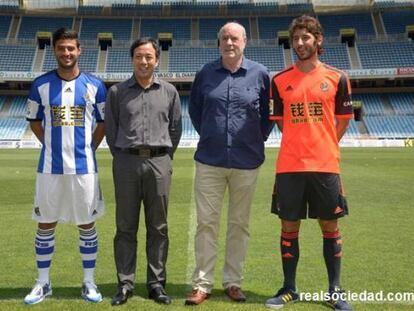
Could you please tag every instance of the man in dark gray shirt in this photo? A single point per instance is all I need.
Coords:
(143, 129)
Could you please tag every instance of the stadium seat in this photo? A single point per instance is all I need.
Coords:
(386, 54)
(30, 25)
(332, 23)
(16, 57)
(209, 27)
(120, 28)
(180, 28)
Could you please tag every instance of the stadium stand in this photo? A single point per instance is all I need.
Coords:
(18, 107)
(16, 57)
(402, 103)
(9, 8)
(362, 22)
(300, 8)
(390, 126)
(180, 28)
(12, 122)
(386, 54)
(352, 131)
(188, 130)
(256, 8)
(12, 128)
(269, 26)
(196, 9)
(194, 58)
(4, 26)
(118, 60)
(270, 56)
(120, 28)
(90, 10)
(396, 21)
(372, 104)
(2, 100)
(30, 25)
(209, 27)
(393, 4)
(128, 9)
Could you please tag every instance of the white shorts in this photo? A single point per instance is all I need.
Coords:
(68, 198)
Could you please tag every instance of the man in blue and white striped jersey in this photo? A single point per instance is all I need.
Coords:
(66, 113)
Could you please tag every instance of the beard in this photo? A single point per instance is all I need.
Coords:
(67, 66)
(308, 53)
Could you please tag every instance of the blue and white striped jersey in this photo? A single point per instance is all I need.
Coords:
(68, 111)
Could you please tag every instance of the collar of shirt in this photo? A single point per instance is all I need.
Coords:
(133, 82)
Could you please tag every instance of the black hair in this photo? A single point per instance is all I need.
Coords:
(142, 41)
(65, 34)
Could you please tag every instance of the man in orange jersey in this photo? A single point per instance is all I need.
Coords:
(310, 102)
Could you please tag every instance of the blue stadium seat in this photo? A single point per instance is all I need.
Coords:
(90, 10)
(180, 28)
(188, 130)
(402, 103)
(4, 26)
(128, 9)
(10, 7)
(256, 8)
(12, 128)
(196, 9)
(190, 59)
(352, 131)
(118, 60)
(209, 27)
(271, 57)
(300, 8)
(395, 21)
(18, 107)
(362, 22)
(120, 28)
(390, 126)
(269, 26)
(16, 57)
(386, 54)
(2, 100)
(30, 25)
(372, 104)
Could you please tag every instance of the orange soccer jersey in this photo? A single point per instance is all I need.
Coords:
(309, 104)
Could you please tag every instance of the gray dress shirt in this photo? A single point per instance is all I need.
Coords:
(137, 117)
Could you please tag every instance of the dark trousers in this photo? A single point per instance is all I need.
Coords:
(145, 180)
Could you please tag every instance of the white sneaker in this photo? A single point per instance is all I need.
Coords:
(39, 292)
(90, 292)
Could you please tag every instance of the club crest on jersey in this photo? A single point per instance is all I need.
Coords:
(87, 98)
(324, 87)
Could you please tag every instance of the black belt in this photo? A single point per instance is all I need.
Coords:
(148, 152)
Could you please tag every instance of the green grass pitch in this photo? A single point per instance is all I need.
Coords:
(378, 238)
